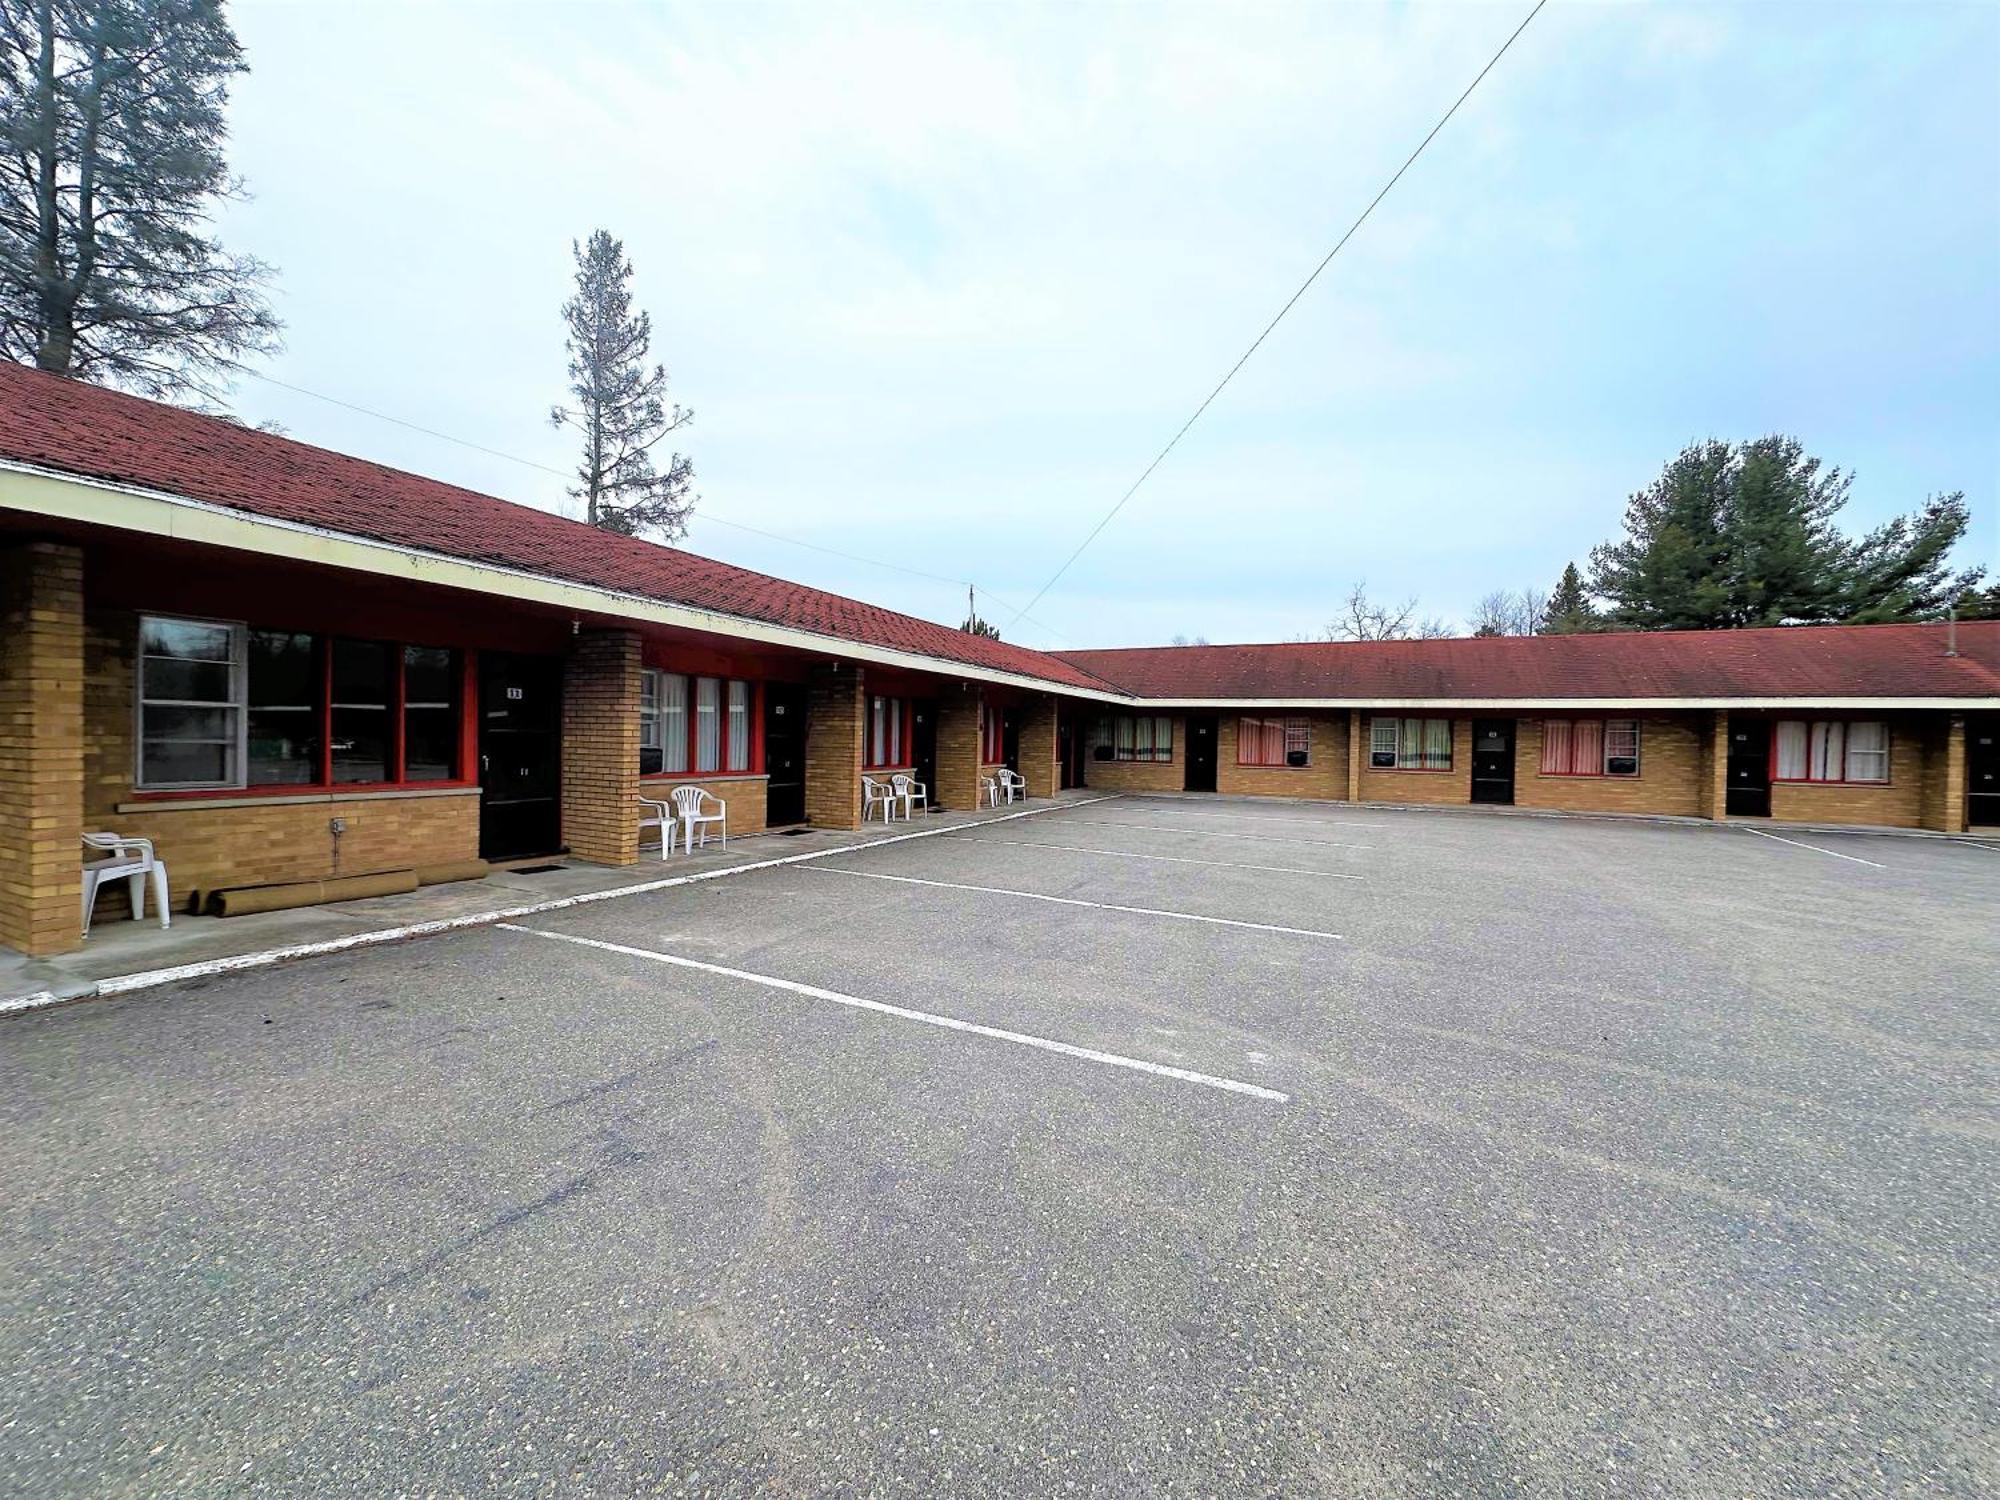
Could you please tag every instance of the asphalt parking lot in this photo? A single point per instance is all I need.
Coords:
(1145, 1146)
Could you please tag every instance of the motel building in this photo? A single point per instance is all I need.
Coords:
(282, 665)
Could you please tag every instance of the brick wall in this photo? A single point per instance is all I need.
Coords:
(1325, 775)
(1130, 775)
(836, 719)
(1712, 766)
(744, 794)
(600, 747)
(958, 769)
(1898, 804)
(1429, 787)
(1671, 752)
(41, 747)
(211, 843)
(1038, 747)
(1944, 774)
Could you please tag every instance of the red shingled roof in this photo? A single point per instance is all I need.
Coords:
(83, 429)
(1799, 661)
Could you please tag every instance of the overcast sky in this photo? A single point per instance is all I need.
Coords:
(940, 281)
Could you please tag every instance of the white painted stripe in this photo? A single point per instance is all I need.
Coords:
(35, 1000)
(1833, 853)
(927, 1018)
(1990, 849)
(1213, 833)
(149, 978)
(1140, 911)
(1172, 859)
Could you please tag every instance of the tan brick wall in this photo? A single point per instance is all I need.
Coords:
(212, 843)
(1135, 775)
(1671, 752)
(1712, 766)
(1428, 787)
(836, 719)
(1038, 747)
(41, 747)
(1357, 752)
(1944, 774)
(600, 747)
(1898, 804)
(744, 794)
(957, 709)
(1324, 777)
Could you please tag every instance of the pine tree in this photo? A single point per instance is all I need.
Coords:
(111, 167)
(1569, 610)
(621, 405)
(1670, 571)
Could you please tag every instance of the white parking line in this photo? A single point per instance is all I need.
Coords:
(1834, 853)
(1172, 859)
(1142, 911)
(1212, 833)
(928, 1018)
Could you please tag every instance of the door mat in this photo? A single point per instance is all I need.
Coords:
(535, 869)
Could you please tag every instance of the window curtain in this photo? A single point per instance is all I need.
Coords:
(1555, 747)
(1825, 760)
(673, 722)
(1587, 752)
(1437, 744)
(1792, 750)
(739, 726)
(1868, 752)
(707, 723)
(1382, 740)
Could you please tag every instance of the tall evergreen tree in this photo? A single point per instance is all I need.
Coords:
(1746, 535)
(621, 408)
(1569, 610)
(111, 166)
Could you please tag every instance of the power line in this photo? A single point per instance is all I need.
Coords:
(1159, 458)
(703, 516)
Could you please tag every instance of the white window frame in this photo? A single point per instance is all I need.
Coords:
(1817, 732)
(1408, 757)
(1602, 771)
(238, 704)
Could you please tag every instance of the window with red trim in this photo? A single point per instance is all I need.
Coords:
(889, 733)
(223, 706)
(1267, 741)
(992, 742)
(1590, 747)
(694, 725)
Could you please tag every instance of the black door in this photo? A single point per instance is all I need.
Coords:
(1493, 761)
(1749, 794)
(1200, 753)
(520, 755)
(1010, 738)
(1069, 747)
(1982, 773)
(784, 753)
(923, 746)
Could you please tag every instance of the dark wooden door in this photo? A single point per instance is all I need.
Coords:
(784, 753)
(923, 746)
(1010, 738)
(1749, 770)
(1493, 761)
(1200, 753)
(1982, 772)
(520, 755)
(1069, 747)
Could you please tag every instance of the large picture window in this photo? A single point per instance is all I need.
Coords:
(1409, 744)
(1273, 742)
(1138, 737)
(1831, 750)
(1590, 747)
(888, 733)
(698, 725)
(223, 706)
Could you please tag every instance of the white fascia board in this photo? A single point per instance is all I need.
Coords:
(1552, 705)
(70, 497)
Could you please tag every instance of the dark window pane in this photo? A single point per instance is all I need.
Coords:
(430, 713)
(175, 723)
(361, 674)
(362, 694)
(189, 681)
(190, 639)
(284, 747)
(430, 675)
(165, 762)
(283, 670)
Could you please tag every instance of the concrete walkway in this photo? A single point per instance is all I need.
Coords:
(123, 955)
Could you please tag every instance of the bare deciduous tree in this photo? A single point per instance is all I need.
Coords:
(1362, 619)
(111, 165)
(1510, 612)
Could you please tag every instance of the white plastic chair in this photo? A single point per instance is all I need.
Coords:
(877, 794)
(131, 860)
(659, 814)
(1014, 784)
(912, 791)
(694, 803)
(989, 787)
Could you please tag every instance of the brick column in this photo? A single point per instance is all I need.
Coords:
(1038, 747)
(600, 749)
(836, 720)
(1357, 752)
(41, 747)
(1714, 769)
(957, 748)
(1944, 778)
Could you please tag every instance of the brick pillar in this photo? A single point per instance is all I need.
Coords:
(957, 748)
(600, 749)
(1357, 749)
(836, 720)
(1714, 767)
(1038, 747)
(1944, 778)
(41, 747)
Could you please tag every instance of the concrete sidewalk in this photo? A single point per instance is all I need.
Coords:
(124, 955)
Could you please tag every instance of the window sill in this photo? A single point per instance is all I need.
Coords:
(887, 770)
(1846, 786)
(1253, 765)
(1583, 776)
(1407, 770)
(284, 797)
(655, 778)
